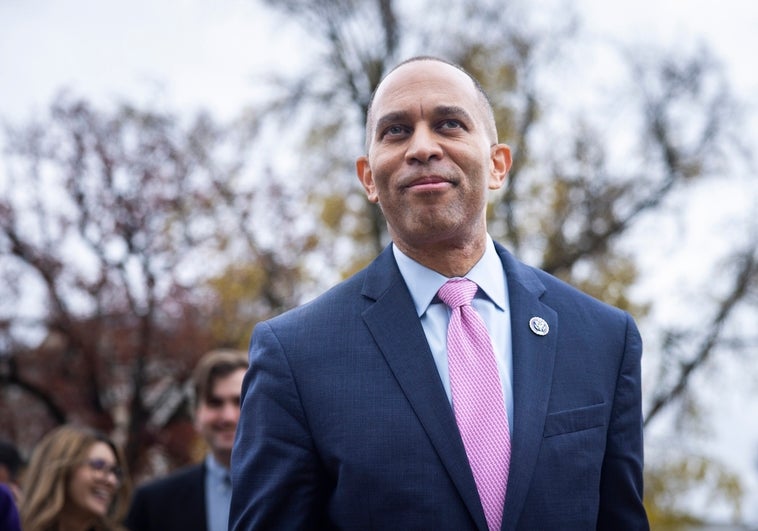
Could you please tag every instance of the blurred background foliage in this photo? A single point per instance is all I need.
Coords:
(132, 240)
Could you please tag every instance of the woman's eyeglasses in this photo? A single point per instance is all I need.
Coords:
(104, 467)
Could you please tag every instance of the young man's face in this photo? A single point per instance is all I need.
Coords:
(216, 417)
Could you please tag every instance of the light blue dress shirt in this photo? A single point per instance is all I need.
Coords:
(491, 301)
(218, 494)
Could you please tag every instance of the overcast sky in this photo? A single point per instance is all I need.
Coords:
(190, 54)
(186, 53)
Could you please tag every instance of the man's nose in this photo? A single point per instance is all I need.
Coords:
(230, 411)
(423, 145)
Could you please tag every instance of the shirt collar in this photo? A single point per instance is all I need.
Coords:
(216, 469)
(423, 283)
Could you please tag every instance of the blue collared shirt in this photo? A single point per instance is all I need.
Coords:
(218, 494)
(491, 301)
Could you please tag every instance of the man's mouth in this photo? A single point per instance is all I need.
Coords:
(430, 183)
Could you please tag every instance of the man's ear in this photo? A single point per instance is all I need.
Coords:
(366, 177)
(500, 165)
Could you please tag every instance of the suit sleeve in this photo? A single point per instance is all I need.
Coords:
(275, 469)
(621, 479)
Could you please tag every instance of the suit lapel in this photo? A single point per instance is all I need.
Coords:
(397, 331)
(533, 360)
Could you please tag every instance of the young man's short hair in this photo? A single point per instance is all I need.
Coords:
(213, 365)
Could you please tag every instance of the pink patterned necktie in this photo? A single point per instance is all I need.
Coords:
(477, 398)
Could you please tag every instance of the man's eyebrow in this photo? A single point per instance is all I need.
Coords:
(390, 118)
(441, 111)
(452, 110)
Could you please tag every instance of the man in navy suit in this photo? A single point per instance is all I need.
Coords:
(197, 497)
(347, 420)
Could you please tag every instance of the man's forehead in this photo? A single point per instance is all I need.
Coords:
(432, 83)
(424, 73)
(225, 380)
(222, 394)
(424, 86)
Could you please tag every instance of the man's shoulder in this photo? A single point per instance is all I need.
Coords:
(184, 476)
(554, 291)
(173, 501)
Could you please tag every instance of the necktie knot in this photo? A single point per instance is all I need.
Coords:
(457, 292)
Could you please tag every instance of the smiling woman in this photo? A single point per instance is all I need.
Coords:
(76, 481)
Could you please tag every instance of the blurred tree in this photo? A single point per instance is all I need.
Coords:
(113, 230)
(672, 484)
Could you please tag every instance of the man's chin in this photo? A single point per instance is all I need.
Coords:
(224, 443)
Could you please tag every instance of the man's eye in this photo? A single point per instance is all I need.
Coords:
(450, 124)
(394, 130)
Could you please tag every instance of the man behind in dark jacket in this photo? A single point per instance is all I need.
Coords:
(197, 497)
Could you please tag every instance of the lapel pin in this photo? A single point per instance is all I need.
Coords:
(539, 326)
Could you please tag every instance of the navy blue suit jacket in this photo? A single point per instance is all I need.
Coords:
(345, 423)
(175, 502)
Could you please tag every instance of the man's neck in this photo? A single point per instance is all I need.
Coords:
(223, 458)
(446, 259)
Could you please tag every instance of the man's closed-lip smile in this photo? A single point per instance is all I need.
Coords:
(429, 183)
